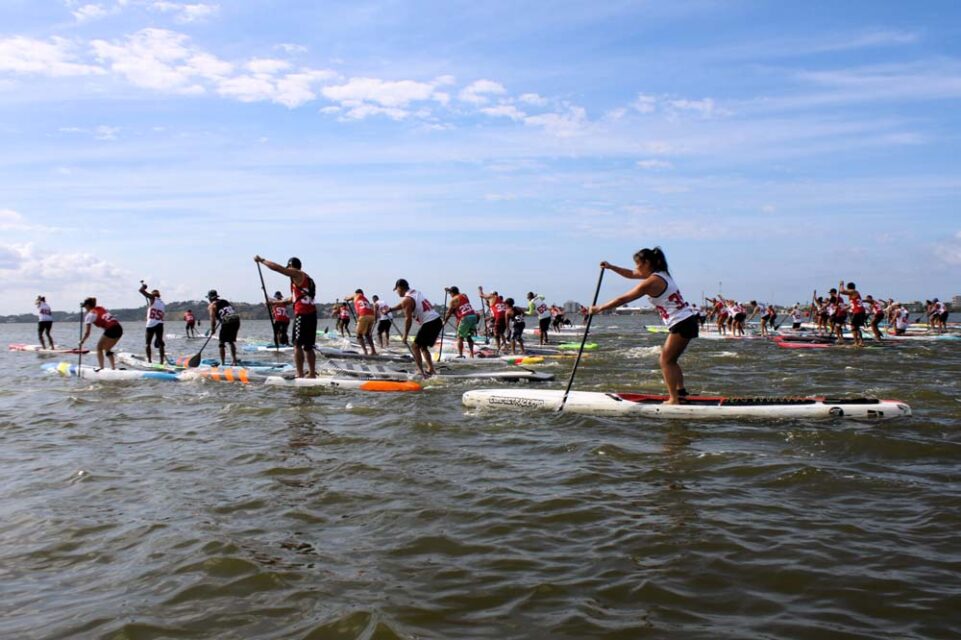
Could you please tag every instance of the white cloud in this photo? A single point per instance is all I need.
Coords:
(10, 219)
(89, 12)
(532, 98)
(705, 108)
(382, 92)
(269, 66)
(104, 132)
(768, 208)
(562, 125)
(36, 270)
(149, 59)
(292, 49)
(504, 111)
(53, 58)
(479, 91)
(645, 103)
(246, 88)
(366, 110)
(185, 13)
(165, 60)
(654, 164)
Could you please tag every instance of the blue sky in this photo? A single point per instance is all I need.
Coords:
(774, 147)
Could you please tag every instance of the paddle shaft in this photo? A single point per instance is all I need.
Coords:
(580, 351)
(406, 342)
(483, 314)
(443, 328)
(80, 346)
(270, 310)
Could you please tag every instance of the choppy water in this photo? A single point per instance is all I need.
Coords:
(210, 510)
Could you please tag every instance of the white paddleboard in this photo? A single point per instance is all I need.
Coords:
(701, 408)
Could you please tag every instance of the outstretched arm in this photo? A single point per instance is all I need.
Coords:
(630, 274)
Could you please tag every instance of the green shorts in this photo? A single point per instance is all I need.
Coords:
(465, 328)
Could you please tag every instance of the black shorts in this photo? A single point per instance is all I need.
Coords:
(739, 317)
(796, 325)
(840, 318)
(771, 318)
(517, 330)
(44, 325)
(113, 333)
(305, 331)
(157, 333)
(500, 326)
(944, 316)
(428, 332)
(857, 319)
(824, 316)
(687, 328)
(544, 324)
(228, 331)
(383, 326)
(878, 317)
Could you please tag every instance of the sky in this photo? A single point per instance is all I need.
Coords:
(770, 148)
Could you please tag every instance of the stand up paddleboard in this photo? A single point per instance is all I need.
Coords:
(381, 372)
(40, 349)
(346, 383)
(694, 407)
(92, 373)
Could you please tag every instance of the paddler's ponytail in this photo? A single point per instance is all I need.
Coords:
(654, 257)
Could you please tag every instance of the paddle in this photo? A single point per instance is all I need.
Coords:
(487, 337)
(406, 342)
(580, 352)
(443, 328)
(270, 311)
(195, 361)
(80, 345)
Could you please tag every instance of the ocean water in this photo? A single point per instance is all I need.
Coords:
(215, 510)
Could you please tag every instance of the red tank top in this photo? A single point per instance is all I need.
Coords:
(362, 306)
(856, 305)
(304, 297)
(499, 308)
(104, 319)
(462, 307)
(280, 314)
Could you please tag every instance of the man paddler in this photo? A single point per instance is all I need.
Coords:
(302, 294)
(460, 307)
(416, 307)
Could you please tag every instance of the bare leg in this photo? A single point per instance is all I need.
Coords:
(299, 360)
(233, 353)
(311, 363)
(223, 354)
(428, 359)
(674, 346)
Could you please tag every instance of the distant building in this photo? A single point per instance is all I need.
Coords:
(956, 303)
(572, 307)
(628, 310)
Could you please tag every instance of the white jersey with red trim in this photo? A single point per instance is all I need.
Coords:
(44, 313)
(155, 313)
(670, 304)
(423, 309)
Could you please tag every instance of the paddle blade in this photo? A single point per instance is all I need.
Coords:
(194, 361)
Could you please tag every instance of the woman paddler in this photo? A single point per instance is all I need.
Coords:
(112, 331)
(656, 283)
